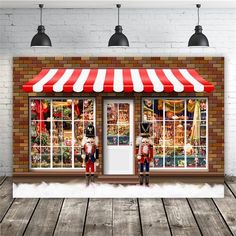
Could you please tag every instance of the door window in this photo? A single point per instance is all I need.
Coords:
(118, 126)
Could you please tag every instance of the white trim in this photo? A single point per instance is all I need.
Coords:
(178, 86)
(99, 81)
(58, 86)
(118, 149)
(198, 87)
(157, 84)
(137, 81)
(118, 81)
(38, 87)
(51, 168)
(79, 84)
(185, 168)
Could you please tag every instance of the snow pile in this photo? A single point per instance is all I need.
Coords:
(80, 190)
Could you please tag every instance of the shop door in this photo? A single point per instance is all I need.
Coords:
(118, 137)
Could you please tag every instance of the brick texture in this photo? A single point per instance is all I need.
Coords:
(211, 68)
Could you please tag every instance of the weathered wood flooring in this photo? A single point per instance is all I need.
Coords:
(117, 216)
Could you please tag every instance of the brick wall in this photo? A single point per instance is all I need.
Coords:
(85, 32)
(211, 68)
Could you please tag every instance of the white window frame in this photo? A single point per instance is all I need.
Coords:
(185, 168)
(51, 168)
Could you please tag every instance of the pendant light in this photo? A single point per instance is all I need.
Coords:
(118, 39)
(41, 39)
(198, 39)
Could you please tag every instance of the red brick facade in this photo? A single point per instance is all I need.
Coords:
(211, 68)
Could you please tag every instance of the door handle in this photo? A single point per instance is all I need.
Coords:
(130, 143)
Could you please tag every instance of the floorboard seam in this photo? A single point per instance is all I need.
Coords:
(140, 219)
(230, 189)
(31, 217)
(59, 213)
(195, 218)
(222, 217)
(112, 217)
(85, 217)
(2, 181)
(168, 222)
(1, 220)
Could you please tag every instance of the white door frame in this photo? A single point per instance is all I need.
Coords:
(132, 134)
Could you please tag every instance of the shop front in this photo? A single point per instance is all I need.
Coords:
(179, 103)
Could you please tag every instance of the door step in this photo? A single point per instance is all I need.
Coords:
(118, 179)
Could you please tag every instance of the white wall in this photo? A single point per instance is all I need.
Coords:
(85, 32)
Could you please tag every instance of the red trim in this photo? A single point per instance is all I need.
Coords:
(28, 87)
(88, 85)
(48, 87)
(68, 86)
(127, 81)
(188, 87)
(168, 86)
(208, 87)
(109, 81)
(147, 83)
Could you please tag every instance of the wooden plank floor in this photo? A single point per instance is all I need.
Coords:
(117, 217)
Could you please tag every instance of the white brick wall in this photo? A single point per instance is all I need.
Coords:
(85, 32)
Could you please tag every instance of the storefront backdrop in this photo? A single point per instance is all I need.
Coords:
(211, 68)
(85, 32)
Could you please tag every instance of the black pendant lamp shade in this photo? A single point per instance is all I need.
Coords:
(41, 39)
(118, 39)
(198, 39)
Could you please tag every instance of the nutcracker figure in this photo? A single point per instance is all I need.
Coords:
(90, 153)
(144, 153)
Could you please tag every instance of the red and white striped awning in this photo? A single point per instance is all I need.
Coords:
(118, 80)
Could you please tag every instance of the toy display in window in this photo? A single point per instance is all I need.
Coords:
(144, 153)
(90, 153)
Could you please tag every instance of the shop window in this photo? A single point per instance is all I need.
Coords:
(178, 131)
(57, 129)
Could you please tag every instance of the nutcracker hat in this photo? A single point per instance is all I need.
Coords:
(145, 129)
(90, 131)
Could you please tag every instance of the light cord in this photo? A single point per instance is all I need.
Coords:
(118, 16)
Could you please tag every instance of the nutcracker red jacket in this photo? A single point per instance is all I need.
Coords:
(148, 157)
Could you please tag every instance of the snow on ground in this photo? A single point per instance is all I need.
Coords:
(80, 190)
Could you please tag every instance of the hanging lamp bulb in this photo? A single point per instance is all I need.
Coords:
(118, 39)
(198, 39)
(41, 39)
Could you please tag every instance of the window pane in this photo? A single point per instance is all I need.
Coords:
(112, 130)
(148, 111)
(67, 109)
(78, 160)
(45, 109)
(124, 113)
(169, 157)
(57, 108)
(158, 157)
(79, 132)
(179, 133)
(57, 157)
(88, 109)
(35, 156)
(35, 107)
(169, 133)
(158, 109)
(112, 140)
(67, 157)
(197, 158)
(184, 119)
(157, 132)
(45, 138)
(179, 156)
(57, 129)
(112, 113)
